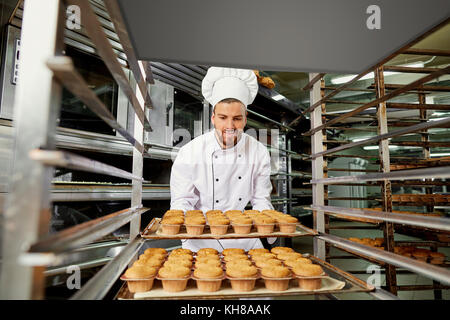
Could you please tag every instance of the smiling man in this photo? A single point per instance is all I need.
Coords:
(224, 169)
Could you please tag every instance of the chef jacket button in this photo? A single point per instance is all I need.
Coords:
(240, 199)
(217, 201)
(217, 179)
(215, 157)
(240, 177)
(240, 156)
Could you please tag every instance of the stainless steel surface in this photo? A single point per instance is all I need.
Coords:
(65, 71)
(69, 160)
(427, 270)
(85, 233)
(98, 286)
(383, 294)
(413, 220)
(27, 211)
(318, 190)
(427, 173)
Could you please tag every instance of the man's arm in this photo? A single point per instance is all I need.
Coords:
(262, 185)
(182, 190)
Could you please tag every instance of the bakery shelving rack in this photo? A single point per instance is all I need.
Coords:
(393, 171)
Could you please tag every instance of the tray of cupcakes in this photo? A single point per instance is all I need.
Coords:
(194, 224)
(231, 273)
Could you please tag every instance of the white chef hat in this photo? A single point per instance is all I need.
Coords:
(222, 83)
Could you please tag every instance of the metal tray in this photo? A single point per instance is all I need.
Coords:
(153, 231)
(351, 284)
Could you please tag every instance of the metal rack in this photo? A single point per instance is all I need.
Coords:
(420, 175)
(27, 248)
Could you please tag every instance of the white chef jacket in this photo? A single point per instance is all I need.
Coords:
(206, 177)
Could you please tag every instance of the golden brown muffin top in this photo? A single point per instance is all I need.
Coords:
(178, 262)
(289, 256)
(232, 251)
(258, 251)
(251, 211)
(218, 221)
(231, 257)
(172, 220)
(159, 256)
(208, 272)
(238, 262)
(206, 251)
(293, 262)
(208, 257)
(241, 271)
(139, 263)
(307, 270)
(174, 272)
(263, 256)
(242, 220)
(260, 219)
(278, 250)
(437, 255)
(180, 256)
(275, 272)
(155, 251)
(140, 272)
(194, 221)
(267, 262)
(195, 212)
(181, 250)
(211, 262)
(153, 262)
(287, 219)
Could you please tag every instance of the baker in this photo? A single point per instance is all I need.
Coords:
(223, 169)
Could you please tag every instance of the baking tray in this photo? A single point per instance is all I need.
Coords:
(349, 284)
(153, 231)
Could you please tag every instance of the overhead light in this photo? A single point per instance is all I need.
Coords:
(377, 147)
(358, 139)
(370, 75)
(440, 154)
(437, 119)
(278, 97)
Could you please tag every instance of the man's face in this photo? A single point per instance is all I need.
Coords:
(229, 119)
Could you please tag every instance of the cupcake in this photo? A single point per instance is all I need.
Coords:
(287, 224)
(437, 258)
(218, 226)
(242, 277)
(276, 278)
(310, 271)
(171, 225)
(174, 278)
(140, 278)
(206, 251)
(278, 250)
(229, 251)
(264, 224)
(208, 278)
(242, 225)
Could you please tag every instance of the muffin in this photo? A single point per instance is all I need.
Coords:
(206, 251)
(267, 263)
(292, 263)
(264, 224)
(150, 251)
(178, 262)
(229, 251)
(195, 225)
(218, 226)
(208, 278)
(251, 212)
(153, 262)
(420, 254)
(181, 256)
(242, 277)
(278, 250)
(437, 258)
(231, 257)
(181, 251)
(263, 256)
(140, 263)
(140, 278)
(242, 225)
(208, 262)
(276, 278)
(258, 251)
(239, 262)
(158, 256)
(208, 257)
(171, 225)
(287, 224)
(174, 278)
(309, 271)
(289, 256)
